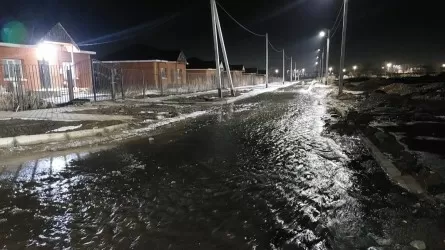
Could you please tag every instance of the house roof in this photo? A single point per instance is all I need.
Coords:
(251, 70)
(144, 53)
(58, 34)
(237, 67)
(261, 72)
(196, 63)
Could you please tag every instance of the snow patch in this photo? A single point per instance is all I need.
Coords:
(66, 128)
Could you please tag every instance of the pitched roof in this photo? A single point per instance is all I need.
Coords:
(58, 34)
(251, 70)
(144, 52)
(237, 67)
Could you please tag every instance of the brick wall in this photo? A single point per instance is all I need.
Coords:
(31, 73)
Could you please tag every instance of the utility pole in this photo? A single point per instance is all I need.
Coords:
(267, 60)
(223, 47)
(343, 47)
(216, 47)
(284, 69)
(328, 41)
(321, 66)
(291, 69)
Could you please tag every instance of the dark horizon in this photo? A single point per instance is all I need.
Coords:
(378, 31)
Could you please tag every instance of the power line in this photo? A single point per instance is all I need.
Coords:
(337, 22)
(274, 48)
(242, 26)
(338, 16)
(336, 28)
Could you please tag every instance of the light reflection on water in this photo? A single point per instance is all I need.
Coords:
(235, 180)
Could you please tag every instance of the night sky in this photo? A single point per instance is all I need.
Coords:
(378, 30)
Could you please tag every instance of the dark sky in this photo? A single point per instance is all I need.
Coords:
(378, 31)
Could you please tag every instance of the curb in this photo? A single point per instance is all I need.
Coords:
(28, 140)
(405, 181)
(394, 174)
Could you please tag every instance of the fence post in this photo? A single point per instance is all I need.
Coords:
(93, 79)
(160, 84)
(122, 85)
(143, 83)
(70, 83)
(113, 87)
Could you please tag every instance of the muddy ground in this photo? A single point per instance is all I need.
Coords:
(17, 127)
(406, 122)
(213, 97)
(145, 112)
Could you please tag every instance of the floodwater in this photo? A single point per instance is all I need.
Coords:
(260, 174)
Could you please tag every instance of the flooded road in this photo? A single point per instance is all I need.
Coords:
(260, 174)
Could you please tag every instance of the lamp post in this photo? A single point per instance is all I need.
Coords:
(355, 69)
(328, 42)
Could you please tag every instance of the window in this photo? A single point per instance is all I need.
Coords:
(179, 73)
(12, 69)
(172, 73)
(163, 73)
(65, 67)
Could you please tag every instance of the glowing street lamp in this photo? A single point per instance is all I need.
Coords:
(322, 34)
(443, 65)
(344, 70)
(354, 67)
(277, 71)
(330, 69)
(318, 50)
(316, 63)
(389, 65)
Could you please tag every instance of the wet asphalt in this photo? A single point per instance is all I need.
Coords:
(265, 173)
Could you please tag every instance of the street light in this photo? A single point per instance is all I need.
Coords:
(344, 70)
(277, 71)
(443, 65)
(389, 65)
(354, 67)
(316, 63)
(322, 34)
(330, 69)
(318, 50)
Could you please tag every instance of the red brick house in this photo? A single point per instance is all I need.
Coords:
(44, 66)
(145, 65)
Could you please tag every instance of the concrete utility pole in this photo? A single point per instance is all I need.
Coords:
(216, 47)
(223, 47)
(321, 66)
(267, 60)
(343, 47)
(328, 41)
(284, 69)
(291, 69)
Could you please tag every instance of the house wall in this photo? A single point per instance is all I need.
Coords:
(31, 74)
(138, 76)
(201, 79)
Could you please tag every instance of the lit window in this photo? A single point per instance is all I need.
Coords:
(12, 69)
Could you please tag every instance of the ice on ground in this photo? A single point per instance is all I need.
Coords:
(147, 112)
(66, 128)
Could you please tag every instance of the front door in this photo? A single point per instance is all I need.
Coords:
(45, 77)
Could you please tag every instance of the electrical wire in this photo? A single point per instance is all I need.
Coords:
(338, 16)
(242, 26)
(337, 22)
(274, 48)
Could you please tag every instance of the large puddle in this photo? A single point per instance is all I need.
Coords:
(261, 174)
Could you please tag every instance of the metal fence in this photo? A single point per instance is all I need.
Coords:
(24, 87)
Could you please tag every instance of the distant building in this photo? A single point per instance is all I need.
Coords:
(158, 66)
